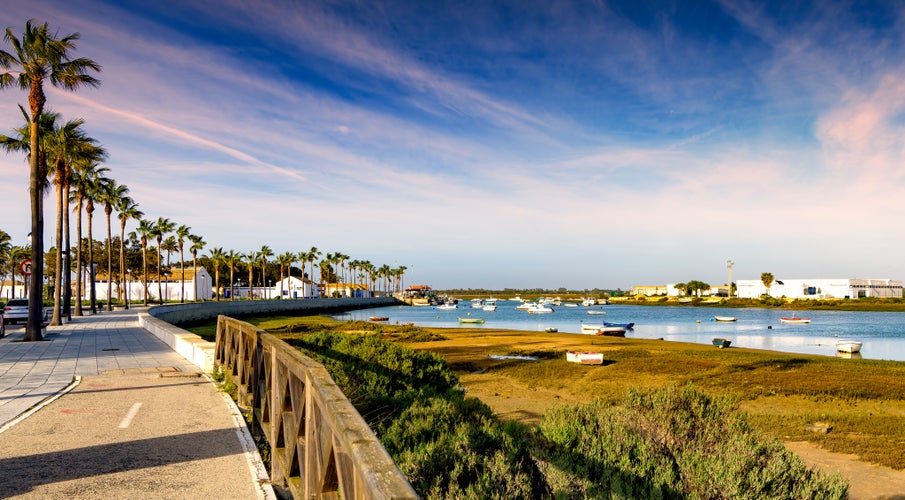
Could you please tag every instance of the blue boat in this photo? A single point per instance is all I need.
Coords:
(627, 326)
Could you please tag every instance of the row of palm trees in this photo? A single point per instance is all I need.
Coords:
(331, 269)
(63, 154)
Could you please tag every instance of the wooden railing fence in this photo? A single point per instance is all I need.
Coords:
(320, 445)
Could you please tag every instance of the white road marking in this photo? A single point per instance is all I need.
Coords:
(129, 416)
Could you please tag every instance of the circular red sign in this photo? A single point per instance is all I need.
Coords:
(25, 266)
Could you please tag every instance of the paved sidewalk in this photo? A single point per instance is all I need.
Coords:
(142, 422)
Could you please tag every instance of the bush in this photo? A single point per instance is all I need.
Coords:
(671, 443)
(448, 446)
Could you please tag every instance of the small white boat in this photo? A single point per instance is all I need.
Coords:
(540, 309)
(849, 346)
(490, 307)
(591, 329)
(794, 320)
(596, 312)
(570, 304)
(588, 302)
(524, 306)
(477, 304)
(725, 319)
(447, 307)
(585, 358)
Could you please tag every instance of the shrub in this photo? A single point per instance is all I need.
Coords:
(671, 443)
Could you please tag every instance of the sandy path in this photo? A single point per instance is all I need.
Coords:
(866, 481)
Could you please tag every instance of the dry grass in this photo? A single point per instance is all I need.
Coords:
(863, 400)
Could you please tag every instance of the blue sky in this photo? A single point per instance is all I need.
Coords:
(503, 144)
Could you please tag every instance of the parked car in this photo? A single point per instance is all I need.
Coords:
(16, 310)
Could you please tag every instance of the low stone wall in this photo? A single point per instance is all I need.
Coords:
(161, 320)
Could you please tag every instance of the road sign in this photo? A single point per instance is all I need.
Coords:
(25, 266)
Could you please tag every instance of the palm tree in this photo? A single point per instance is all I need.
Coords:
(39, 56)
(196, 246)
(312, 256)
(111, 195)
(767, 280)
(170, 245)
(252, 258)
(264, 254)
(95, 193)
(285, 261)
(145, 229)
(127, 209)
(232, 259)
(218, 256)
(86, 175)
(182, 232)
(162, 227)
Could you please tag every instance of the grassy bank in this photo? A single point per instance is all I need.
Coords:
(784, 395)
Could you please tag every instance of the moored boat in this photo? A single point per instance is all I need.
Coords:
(539, 309)
(447, 307)
(591, 329)
(379, 318)
(478, 321)
(721, 343)
(612, 331)
(794, 320)
(585, 358)
(849, 346)
(627, 326)
(725, 319)
(596, 312)
(490, 307)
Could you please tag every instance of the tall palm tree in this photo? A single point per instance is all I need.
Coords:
(232, 260)
(111, 194)
(182, 232)
(170, 245)
(767, 280)
(218, 256)
(145, 229)
(196, 246)
(94, 193)
(39, 56)
(251, 258)
(264, 254)
(162, 227)
(127, 209)
(6, 245)
(285, 261)
(86, 175)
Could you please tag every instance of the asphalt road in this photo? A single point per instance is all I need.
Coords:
(134, 435)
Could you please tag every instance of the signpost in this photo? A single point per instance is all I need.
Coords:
(25, 267)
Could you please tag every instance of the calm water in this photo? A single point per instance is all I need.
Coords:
(882, 333)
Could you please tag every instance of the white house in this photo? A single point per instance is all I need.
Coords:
(10, 290)
(839, 288)
(198, 286)
(294, 288)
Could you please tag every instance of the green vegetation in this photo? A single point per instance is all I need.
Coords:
(666, 443)
(671, 443)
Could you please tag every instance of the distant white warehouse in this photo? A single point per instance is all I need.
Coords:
(820, 288)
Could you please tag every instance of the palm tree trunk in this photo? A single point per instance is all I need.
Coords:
(80, 282)
(67, 262)
(109, 265)
(159, 287)
(36, 192)
(123, 296)
(56, 318)
(92, 297)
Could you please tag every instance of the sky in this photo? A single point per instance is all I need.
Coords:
(501, 144)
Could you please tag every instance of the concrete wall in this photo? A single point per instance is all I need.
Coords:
(161, 320)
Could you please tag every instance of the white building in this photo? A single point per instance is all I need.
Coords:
(821, 288)
(198, 286)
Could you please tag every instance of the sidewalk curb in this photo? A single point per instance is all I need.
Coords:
(49, 399)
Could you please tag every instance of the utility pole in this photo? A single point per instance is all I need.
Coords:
(729, 264)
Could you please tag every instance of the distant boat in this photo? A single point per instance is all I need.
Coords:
(794, 320)
(721, 343)
(585, 358)
(596, 312)
(612, 331)
(477, 303)
(447, 307)
(849, 346)
(591, 329)
(725, 319)
(379, 318)
(524, 306)
(490, 307)
(588, 302)
(627, 326)
(478, 321)
(539, 309)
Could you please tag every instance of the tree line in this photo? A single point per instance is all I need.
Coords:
(62, 154)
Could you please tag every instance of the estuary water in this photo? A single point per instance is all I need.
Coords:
(882, 333)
